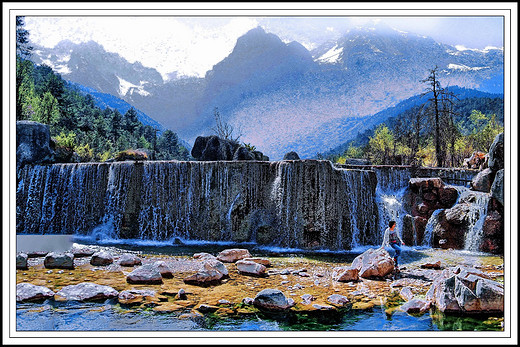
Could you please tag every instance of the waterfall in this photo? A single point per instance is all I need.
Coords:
(392, 185)
(292, 204)
(430, 227)
(476, 218)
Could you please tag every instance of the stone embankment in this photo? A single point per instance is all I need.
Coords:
(202, 284)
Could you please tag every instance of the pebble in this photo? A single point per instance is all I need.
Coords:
(49, 272)
(284, 282)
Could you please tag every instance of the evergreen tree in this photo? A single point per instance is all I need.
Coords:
(23, 48)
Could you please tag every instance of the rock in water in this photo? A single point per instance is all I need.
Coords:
(145, 274)
(86, 291)
(466, 290)
(232, 255)
(204, 278)
(163, 269)
(374, 263)
(345, 274)
(128, 259)
(59, 261)
(21, 261)
(271, 300)
(31, 292)
(246, 267)
(215, 265)
(338, 300)
(134, 296)
(101, 259)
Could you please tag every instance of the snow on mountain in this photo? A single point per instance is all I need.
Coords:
(125, 87)
(279, 95)
(331, 56)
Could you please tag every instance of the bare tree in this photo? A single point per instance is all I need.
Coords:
(436, 90)
(223, 129)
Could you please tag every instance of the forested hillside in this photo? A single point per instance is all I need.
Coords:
(469, 122)
(76, 123)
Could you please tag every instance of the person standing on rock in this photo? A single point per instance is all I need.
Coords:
(393, 240)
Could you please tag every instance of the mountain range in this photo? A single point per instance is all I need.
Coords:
(279, 96)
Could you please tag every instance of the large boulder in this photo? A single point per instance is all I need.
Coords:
(56, 260)
(215, 265)
(483, 180)
(271, 300)
(86, 291)
(374, 263)
(128, 259)
(211, 148)
(496, 153)
(163, 268)
(345, 274)
(466, 290)
(204, 278)
(101, 258)
(291, 156)
(31, 292)
(232, 255)
(243, 153)
(246, 267)
(33, 143)
(21, 261)
(145, 274)
(497, 189)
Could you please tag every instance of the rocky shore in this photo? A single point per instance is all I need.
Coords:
(233, 283)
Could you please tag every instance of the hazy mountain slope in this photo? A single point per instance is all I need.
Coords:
(281, 96)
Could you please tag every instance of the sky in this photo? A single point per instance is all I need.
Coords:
(190, 46)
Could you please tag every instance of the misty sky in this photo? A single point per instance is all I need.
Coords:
(190, 46)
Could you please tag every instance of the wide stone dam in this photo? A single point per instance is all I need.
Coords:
(305, 204)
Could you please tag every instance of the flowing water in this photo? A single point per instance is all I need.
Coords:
(285, 207)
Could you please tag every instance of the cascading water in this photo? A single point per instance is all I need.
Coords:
(293, 204)
(392, 184)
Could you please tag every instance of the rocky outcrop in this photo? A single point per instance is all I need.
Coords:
(271, 300)
(425, 196)
(497, 188)
(232, 255)
(214, 148)
(374, 263)
(291, 156)
(33, 143)
(466, 290)
(483, 180)
(31, 292)
(55, 260)
(496, 153)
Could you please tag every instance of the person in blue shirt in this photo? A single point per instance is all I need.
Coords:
(392, 239)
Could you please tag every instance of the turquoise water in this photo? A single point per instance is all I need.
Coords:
(108, 316)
